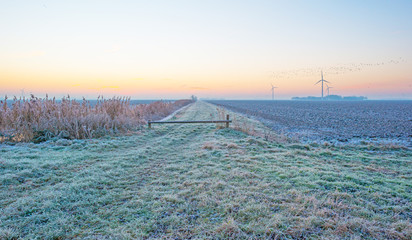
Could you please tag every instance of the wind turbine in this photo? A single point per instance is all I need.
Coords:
(322, 80)
(273, 92)
(327, 88)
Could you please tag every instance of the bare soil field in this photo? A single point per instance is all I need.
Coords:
(341, 121)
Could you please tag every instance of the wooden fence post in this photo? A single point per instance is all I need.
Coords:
(150, 124)
(227, 123)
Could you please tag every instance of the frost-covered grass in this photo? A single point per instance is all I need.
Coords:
(198, 181)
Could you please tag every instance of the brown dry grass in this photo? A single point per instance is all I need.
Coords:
(39, 119)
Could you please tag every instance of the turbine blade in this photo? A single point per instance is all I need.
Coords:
(318, 82)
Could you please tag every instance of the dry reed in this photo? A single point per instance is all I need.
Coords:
(40, 119)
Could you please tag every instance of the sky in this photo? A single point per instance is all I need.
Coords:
(229, 49)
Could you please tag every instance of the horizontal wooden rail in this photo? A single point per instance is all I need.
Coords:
(206, 121)
(149, 123)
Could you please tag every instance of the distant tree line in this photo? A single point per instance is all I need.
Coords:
(333, 97)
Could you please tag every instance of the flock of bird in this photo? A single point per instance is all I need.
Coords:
(340, 69)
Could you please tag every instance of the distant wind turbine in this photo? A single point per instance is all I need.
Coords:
(273, 92)
(322, 81)
(327, 88)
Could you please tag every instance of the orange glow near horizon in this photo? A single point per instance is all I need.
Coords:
(229, 87)
(211, 50)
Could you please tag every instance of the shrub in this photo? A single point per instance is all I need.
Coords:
(39, 119)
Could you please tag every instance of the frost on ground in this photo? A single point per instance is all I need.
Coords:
(203, 182)
(388, 122)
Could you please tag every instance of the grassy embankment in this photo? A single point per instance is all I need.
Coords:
(198, 181)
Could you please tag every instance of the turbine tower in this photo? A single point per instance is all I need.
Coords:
(273, 92)
(327, 88)
(322, 81)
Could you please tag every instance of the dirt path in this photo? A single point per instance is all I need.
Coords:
(176, 112)
(197, 181)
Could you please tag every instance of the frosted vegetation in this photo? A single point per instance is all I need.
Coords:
(333, 121)
(204, 182)
(40, 119)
